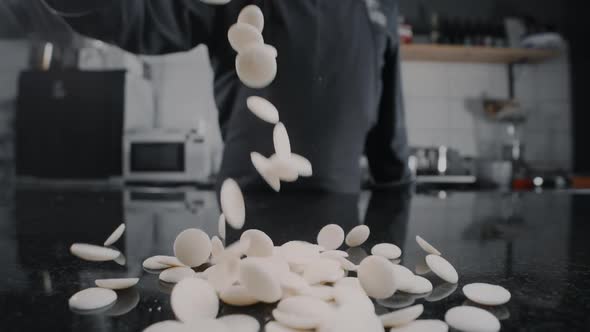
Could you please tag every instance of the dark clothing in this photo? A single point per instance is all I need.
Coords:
(337, 88)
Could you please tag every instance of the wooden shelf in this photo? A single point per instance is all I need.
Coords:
(479, 54)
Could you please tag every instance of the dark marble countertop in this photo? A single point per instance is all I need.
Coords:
(535, 244)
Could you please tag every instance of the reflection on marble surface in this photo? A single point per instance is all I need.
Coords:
(127, 300)
(533, 244)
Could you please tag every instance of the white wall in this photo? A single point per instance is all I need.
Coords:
(443, 106)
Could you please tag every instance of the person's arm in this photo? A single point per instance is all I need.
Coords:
(140, 26)
(386, 146)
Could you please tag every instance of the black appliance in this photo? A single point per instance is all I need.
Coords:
(69, 124)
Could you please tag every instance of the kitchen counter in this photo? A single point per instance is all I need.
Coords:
(534, 244)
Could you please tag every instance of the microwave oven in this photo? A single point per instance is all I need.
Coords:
(166, 156)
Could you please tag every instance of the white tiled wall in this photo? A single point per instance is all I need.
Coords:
(443, 106)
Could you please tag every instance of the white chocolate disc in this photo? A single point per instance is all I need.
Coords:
(293, 282)
(256, 66)
(420, 285)
(442, 268)
(275, 326)
(252, 15)
(357, 236)
(259, 279)
(115, 236)
(221, 226)
(240, 323)
(118, 283)
(404, 277)
(302, 165)
(265, 168)
(387, 250)
(283, 168)
(281, 141)
(242, 35)
(232, 204)
(402, 316)
(322, 292)
(261, 245)
(323, 270)
(93, 253)
(466, 318)
(154, 263)
(193, 299)
(331, 237)
(376, 275)
(170, 261)
(427, 246)
(92, 298)
(169, 326)
(224, 274)
(263, 109)
(423, 325)
(192, 247)
(237, 295)
(176, 274)
(486, 294)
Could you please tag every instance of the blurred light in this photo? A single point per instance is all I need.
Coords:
(442, 160)
(413, 164)
(538, 181)
(442, 194)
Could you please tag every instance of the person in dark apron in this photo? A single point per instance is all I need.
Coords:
(337, 88)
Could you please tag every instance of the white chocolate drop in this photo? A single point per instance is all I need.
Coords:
(261, 245)
(466, 318)
(387, 250)
(486, 294)
(265, 168)
(92, 298)
(242, 35)
(357, 236)
(331, 237)
(263, 109)
(281, 141)
(427, 246)
(256, 66)
(402, 316)
(193, 299)
(192, 247)
(232, 204)
(252, 15)
(115, 236)
(176, 274)
(376, 275)
(93, 253)
(118, 283)
(442, 268)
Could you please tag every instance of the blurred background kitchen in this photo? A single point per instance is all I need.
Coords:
(495, 98)
(493, 93)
